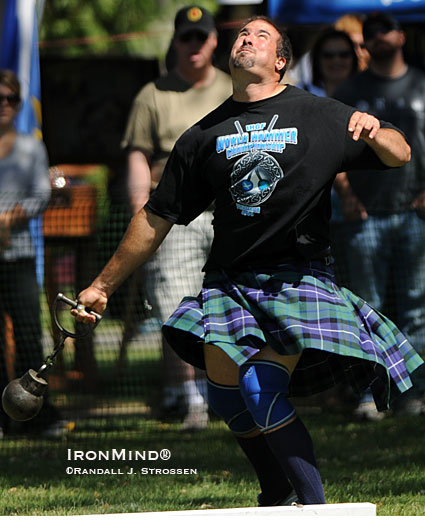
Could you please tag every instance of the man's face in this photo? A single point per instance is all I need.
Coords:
(383, 42)
(195, 48)
(255, 48)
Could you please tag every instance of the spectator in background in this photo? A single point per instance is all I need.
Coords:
(334, 60)
(161, 112)
(301, 74)
(384, 213)
(24, 194)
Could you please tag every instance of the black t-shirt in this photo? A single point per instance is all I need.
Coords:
(269, 165)
(401, 101)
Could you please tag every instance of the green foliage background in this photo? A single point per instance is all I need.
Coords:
(110, 27)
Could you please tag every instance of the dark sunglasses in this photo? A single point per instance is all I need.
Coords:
(12, 99)
(339, 54)
(193, 35)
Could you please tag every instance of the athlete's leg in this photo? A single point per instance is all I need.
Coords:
(225, 399)
(264, 381)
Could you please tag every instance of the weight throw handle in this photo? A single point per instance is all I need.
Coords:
(76, 305)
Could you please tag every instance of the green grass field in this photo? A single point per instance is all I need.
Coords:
(382, 462)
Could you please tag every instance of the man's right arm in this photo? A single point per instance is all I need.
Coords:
(144, 235)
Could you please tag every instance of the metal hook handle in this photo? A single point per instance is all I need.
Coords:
(48, 363)
(76, 305)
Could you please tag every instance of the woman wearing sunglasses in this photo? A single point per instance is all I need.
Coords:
(334, 60)
(24, 194)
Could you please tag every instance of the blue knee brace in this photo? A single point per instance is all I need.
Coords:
(264, 388)
(227, 403)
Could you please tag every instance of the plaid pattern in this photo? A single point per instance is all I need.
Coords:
(293, 309)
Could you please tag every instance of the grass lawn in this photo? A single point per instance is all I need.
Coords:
(382, 463)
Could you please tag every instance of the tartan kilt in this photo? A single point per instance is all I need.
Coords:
(294, 308)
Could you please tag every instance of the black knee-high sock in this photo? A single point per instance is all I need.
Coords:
(271, 476)
(293, 447)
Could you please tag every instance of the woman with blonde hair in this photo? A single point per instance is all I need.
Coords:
(352, 24)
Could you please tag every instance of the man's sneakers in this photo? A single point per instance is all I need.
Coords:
(57, 429)
(196, 418)
(366, 411)
(186, 401)
(404, 407)
(49, 423)
(409, 407)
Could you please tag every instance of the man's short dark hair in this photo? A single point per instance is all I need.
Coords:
(379, 20)
(283, 46)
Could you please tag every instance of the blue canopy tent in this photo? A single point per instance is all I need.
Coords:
(327, 11)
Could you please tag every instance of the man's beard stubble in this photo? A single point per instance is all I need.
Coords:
(243, 61)
(383, 52)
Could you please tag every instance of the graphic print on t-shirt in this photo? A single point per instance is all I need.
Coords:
(253, 180)
(254, 177)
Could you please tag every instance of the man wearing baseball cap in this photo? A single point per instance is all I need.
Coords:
(193, 19)
(161, 112)
(379, 22)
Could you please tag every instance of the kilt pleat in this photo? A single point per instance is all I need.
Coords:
(296, 308)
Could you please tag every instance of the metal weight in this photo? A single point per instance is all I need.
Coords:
(22, 398)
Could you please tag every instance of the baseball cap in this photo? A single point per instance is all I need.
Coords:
(193, 18)
(379, 22)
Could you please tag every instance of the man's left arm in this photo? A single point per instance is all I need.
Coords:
(388, 144)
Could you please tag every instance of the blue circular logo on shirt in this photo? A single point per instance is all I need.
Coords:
(254, 178)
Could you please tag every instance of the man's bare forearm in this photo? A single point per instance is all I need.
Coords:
(389, 145)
